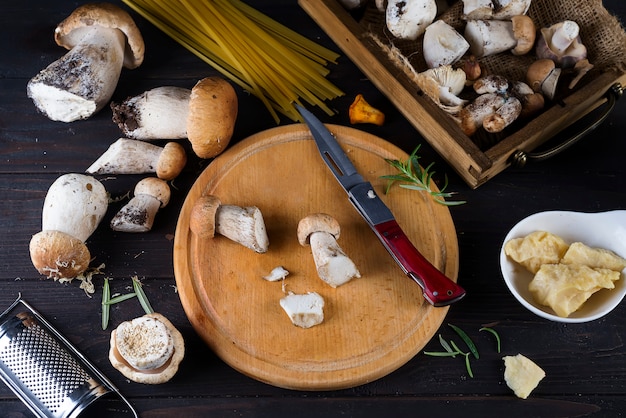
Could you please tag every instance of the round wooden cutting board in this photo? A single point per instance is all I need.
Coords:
(372, 325)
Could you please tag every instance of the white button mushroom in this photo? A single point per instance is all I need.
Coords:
(129, 156)
(333, 266)
(408, 19)
(138, 214)
(243, 225)
(73, 208)
(205, 115)
(101, 38)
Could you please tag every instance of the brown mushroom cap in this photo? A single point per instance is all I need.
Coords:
(203, 216)
(212, 114)
(542, 76)
(524, 32)
(155, 187)
(152, 377)
(106, 15)
(171, 162)
(56, 254)
(317, 222)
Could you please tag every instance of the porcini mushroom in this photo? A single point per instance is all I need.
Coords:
(496, 9)
(101, 39)
(321, 231)
(442, 44)
(472, 116)
(205, 115)
(489, 37)
(562, 44)
(72, 210)
(138, 214)
(408, 19)
(543, 76)
(244, 225)
(147, 349)
(129, 156)
(443, 85)
(304, 310)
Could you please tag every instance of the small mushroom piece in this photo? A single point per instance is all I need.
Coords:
(489, 37)
(205, 115)
(138, 214)
(243, 225)
(443, 45)
(408, 19)
(101, 39)
(304, 310)
(72, 210)
(361, 111)
(129, 156)
(147, 349)
(543, 76)
(321, 231)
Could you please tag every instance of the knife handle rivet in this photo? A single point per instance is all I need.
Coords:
(371, 194)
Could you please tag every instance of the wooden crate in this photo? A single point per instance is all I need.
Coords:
(475, 164)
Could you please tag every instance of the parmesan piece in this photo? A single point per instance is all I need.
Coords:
(565, 287)
(145, 343)
(579, 253)
(522, 375)
(535, 249)
(304, 310)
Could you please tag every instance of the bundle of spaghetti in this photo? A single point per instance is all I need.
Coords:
(272, 62)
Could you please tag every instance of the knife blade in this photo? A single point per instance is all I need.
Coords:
(437, 289)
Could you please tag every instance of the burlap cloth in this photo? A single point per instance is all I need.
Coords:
(601, 33)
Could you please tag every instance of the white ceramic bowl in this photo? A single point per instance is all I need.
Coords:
(604, 230)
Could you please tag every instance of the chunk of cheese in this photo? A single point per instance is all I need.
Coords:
(536, 249)
(579, 253)
(304, 310)
(522, 375)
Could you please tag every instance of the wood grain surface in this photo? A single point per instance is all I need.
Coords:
(372, 325)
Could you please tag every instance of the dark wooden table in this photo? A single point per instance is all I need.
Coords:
(585, 363)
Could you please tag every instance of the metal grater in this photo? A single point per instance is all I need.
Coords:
(48, 374)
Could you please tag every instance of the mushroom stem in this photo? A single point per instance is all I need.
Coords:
(331, 262)
(73, 208)
(129, 156)
(243, 225)
(159, 113)
(81, 82)
(139, 213)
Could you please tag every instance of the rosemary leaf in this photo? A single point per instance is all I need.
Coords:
(495, 334)
(440, 353)
(445, 345)
(466, 339)
(143, 299)
(120, 298)
(106, 309)
(468, 366)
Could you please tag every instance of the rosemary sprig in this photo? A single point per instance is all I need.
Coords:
(143, 299)
(106, 307)
(495, 334)
(466, 339)
(414, 177)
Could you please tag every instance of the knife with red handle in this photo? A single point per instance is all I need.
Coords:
(437, 289)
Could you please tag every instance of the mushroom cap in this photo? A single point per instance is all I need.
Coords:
(212, 114)
(56, 254)
(542, 76)
(203, 216)
(317, 222)
(524, 32)
(171, 162)
(155, 187)
(158, 375)
(106, 15)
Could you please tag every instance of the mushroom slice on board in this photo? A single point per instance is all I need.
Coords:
(101, 39)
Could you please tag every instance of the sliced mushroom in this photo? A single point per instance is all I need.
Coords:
(138, 214)
(205, 115)
(244, 225)
(147, 349)
(129, 156)
(304, 310)
(443, 45)
(72, 210)
(408, 19)
(333, 266)
(101, 38)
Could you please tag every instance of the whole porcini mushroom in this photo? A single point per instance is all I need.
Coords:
(543, 76)
(243, 225)
(442, 44)
(205, 115)
(489, 37)
(73, 208)
(138, 214)
(147, 349)
(129, 156)
(408, 19)
(562, 44)
(101, 39)
(321, 231)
